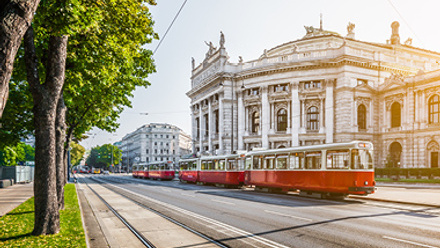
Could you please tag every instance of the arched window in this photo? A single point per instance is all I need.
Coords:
(313, 118)
(282, 120)
(362, 117)
(395, 152)
(395, 114)
(434, 109)
(255, 122)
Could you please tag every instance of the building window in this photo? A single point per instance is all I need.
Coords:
(155, 143)
(282, 120)
(255, 122)
(216, 121)
(395, 114)
(254, 92)
(206, 125)
(394, 157)
(362, 82)
(362, 117)
(147, 151)
(312, 84)
(281, 88)
(434, 109)
(197, 128)
(313, 119)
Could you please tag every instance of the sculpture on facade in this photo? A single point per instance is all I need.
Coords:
(350, 30)
(309, 29)
(240, 59)
(395, 37)
(193, 63)
(222, 40)
(408, 42)
(211, 50)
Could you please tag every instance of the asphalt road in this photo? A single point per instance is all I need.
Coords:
(245, 218)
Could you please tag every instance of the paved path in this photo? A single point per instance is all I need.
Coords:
(428, 196)
(11, 197)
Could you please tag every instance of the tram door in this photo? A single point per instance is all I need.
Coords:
(434, 159)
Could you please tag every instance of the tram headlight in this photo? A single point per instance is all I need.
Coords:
(366, 183)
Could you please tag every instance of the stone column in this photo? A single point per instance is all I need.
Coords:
(296, 114)
(272, 118)
(210, 129)
(303, 116)
(329, 112)
(241, 121)
(265, 118)
(221, 123)
(289, 117)
(321, 116)
(370, 114)
(200, 126)
(194, 129)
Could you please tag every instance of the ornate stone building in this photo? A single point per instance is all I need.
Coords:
(322, 88)
(154, 142)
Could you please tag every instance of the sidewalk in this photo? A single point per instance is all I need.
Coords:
(11, 197)
(418, 194)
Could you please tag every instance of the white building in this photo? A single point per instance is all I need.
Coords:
(322, 88)
(154, 142)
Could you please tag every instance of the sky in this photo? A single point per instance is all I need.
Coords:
(249, 27)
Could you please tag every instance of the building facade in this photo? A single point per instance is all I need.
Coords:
(154, 142)
(322, 88)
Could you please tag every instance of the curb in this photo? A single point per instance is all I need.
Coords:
(391, 201)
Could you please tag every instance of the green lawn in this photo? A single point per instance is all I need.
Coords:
(16, 226)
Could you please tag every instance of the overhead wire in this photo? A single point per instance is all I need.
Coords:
(404, 20)
(169, 27)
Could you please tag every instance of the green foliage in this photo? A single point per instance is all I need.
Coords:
(106, 63)
(16, 155)
(16, 122)
(18, 224)
(102, 156)
(76, 153)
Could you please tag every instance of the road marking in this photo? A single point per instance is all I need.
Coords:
(166, 190)
(229, 203)
(409, 242)
(227, 227)
(188, 195)
(287, 215)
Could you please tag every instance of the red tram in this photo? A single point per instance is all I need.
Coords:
(162, 170)
(336, 169)
(223, 170)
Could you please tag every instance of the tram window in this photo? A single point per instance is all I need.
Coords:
(297, 160)
(193, 166)
(183, 166)
(221, 164)
(232, 164)
(248, 163)
(257, 162)
(204, 165)
(361, 159)
(282, 161)
(269, 162)
(337, 159)
(313, 160)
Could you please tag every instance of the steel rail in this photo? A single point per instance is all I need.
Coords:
(163, 216)
(141, 237)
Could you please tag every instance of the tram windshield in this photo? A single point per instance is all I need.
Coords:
(361, 159)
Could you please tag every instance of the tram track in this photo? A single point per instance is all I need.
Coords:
(225, 233)
(138, 234)
(145, 241)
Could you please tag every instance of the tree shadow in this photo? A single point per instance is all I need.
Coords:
(16, 237)
(20, 213)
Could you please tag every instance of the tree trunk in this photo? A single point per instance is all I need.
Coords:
(69, 135)
(46, 97)
(60, 139)
(15, 18)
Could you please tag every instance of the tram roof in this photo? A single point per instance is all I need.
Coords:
(347, 145)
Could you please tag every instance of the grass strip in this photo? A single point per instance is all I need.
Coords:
(16, 226)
